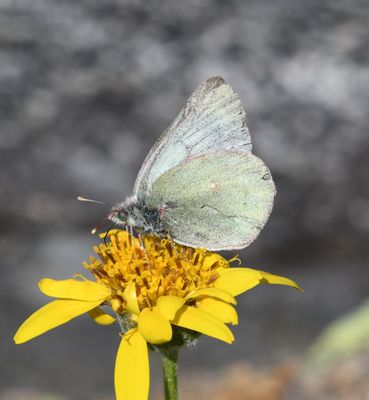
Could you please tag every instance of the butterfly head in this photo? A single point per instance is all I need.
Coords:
(118, 215)
(124, 214)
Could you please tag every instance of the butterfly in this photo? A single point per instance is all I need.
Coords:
(200, 184)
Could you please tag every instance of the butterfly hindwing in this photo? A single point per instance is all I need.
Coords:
(217, 201)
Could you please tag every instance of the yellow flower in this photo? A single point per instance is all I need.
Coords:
(161, 293)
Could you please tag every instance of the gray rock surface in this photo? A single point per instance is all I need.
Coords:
(87, 87)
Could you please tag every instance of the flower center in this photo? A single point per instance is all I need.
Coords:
(161, 267)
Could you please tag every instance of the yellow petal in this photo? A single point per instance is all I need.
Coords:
(132, 374)
(100, 317)
(73, 289)
(213, 292)
(50, 316)
(220, 309)
(278, 280)
(116, 304)
(169, 305)
(238, 280)
(153, 326)
(203, 322)
(130, 296)
(212, 258)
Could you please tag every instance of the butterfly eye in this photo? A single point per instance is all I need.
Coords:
(122, 216)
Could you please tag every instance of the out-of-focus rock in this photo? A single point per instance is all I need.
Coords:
(23, 394)
(345, 380)
(87, 87)
(239, 381)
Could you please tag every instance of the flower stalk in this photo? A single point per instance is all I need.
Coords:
(169, 362)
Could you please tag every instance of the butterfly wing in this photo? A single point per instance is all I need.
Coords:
(212, 119)
(216, 201)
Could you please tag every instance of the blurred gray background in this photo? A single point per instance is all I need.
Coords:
(86, 87)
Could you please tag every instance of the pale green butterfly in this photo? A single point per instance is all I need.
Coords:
(200, 184)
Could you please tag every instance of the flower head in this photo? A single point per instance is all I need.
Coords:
(157, 268)
(162, 293)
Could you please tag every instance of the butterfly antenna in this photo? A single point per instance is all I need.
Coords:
(107, 218)
(80, 198)
(106, 235)
(94, 230)
(85, 199)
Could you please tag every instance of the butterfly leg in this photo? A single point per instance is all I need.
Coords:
(106, 236)
(131, 234)
(141, 242)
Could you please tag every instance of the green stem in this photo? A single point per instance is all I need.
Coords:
(169, 358)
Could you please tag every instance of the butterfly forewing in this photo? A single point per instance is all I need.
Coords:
(212, 119)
